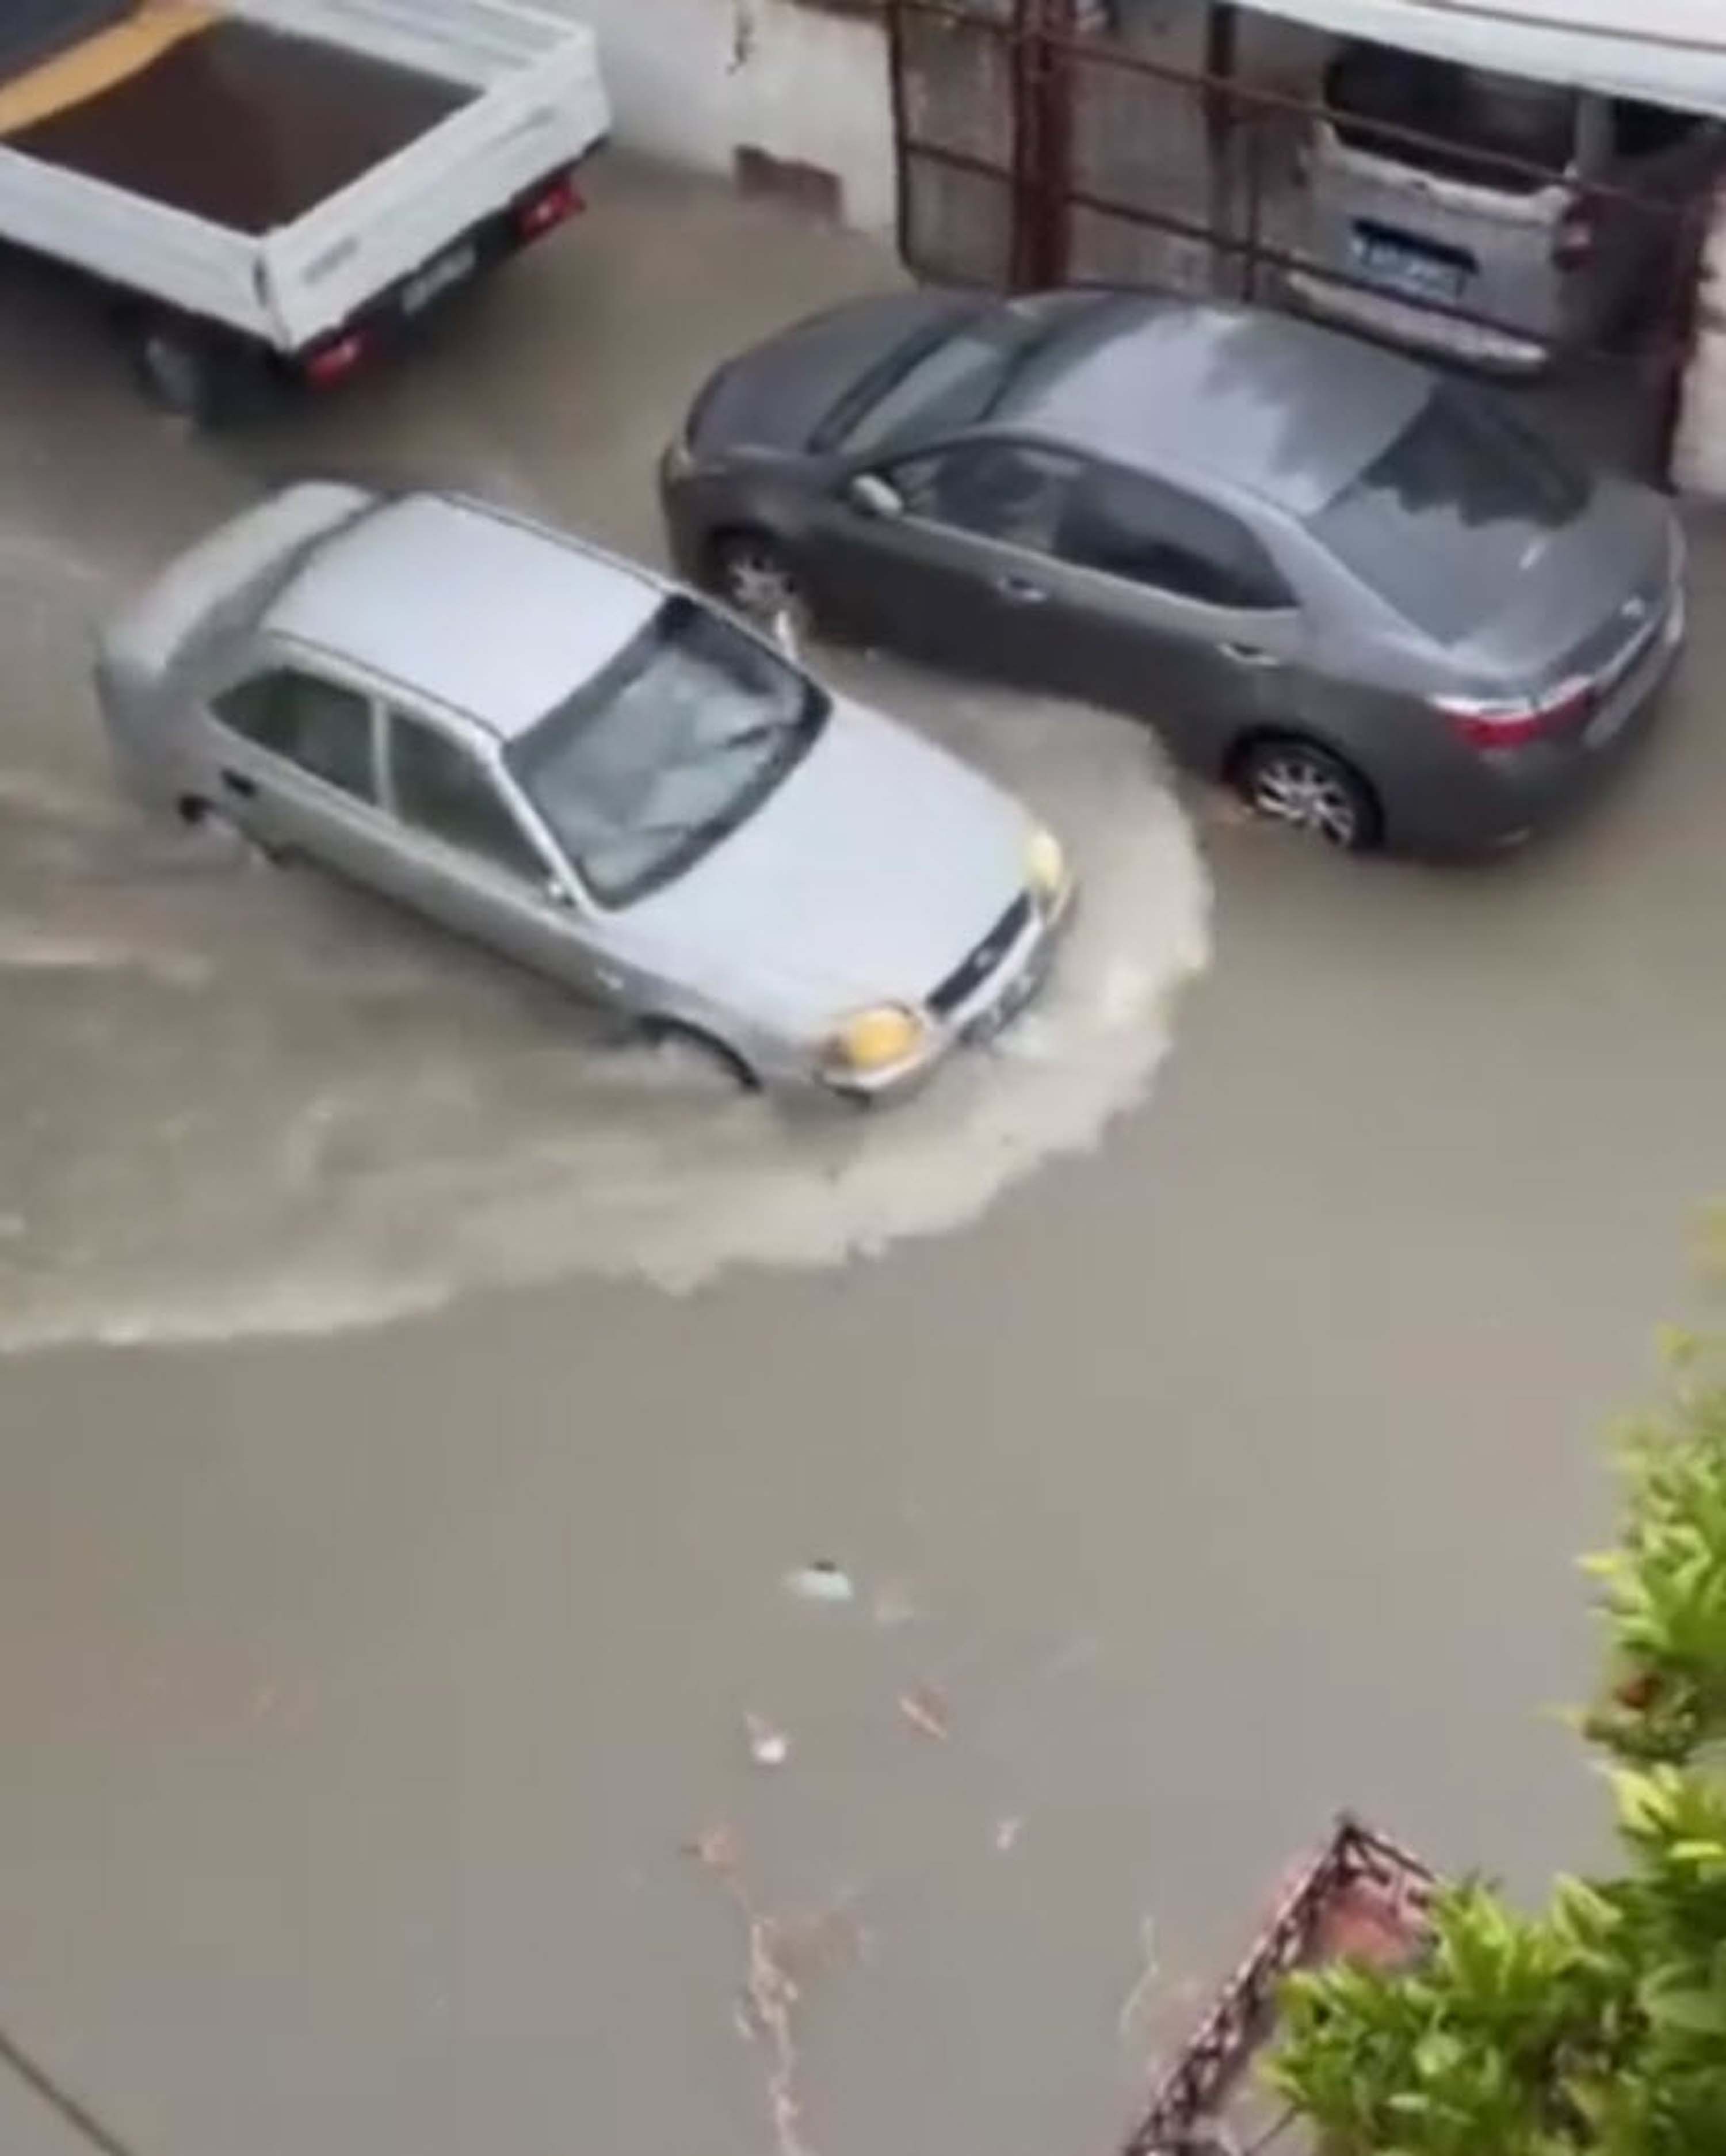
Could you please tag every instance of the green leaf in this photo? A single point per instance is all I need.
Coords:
(1695, 2013)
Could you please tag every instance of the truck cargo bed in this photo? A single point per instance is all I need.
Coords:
(275, 172)
(245, 127)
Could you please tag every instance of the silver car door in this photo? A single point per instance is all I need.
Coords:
(1164, 604)
(464, 855)
(294, 756)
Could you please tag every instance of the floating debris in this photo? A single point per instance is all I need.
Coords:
(768, 1747)
(823, 1581)
(715, 1849)
(1007, 1833)
(927, 1711)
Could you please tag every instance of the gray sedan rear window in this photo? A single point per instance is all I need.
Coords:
(1442, 523)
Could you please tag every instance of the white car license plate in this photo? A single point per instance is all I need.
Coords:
(1407, 269)
(440, 276)
(1020, 991)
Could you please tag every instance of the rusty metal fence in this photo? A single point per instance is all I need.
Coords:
(1033, 151)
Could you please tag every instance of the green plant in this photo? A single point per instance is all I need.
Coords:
(1597, 2026)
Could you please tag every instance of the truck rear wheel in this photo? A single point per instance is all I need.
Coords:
(184, 368)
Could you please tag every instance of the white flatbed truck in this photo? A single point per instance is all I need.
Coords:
(281, 187)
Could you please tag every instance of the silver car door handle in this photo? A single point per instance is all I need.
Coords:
(1020, 591)
(1249, 655)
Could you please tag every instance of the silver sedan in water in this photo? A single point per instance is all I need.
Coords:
(1366, 595)
(600, 775)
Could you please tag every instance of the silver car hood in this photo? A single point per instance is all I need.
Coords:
(877, 866)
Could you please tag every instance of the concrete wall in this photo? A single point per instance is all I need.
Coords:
(696, 81)
(1699, 447)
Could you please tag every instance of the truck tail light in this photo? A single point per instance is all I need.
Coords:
(552, 206)
(333, 362)
(1514, 721)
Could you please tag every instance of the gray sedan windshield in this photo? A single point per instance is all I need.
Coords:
(955, 380)
(668, 747)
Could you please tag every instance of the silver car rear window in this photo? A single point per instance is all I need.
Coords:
(1442, 523)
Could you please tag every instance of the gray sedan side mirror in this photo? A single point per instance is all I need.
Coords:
(873, 496)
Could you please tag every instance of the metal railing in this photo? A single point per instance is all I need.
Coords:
(1245, 2009)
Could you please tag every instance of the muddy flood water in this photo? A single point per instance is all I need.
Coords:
(420, 1411)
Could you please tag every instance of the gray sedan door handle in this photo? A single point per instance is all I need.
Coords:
(1020, 591)
(1248, 655)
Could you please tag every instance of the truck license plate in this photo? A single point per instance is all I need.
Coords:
(439, 276)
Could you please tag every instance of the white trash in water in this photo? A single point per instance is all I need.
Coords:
(767, 1747)
(823, 1581)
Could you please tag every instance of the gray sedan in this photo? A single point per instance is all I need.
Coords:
(1365, 595)
(602, 776)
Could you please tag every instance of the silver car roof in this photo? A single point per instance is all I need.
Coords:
(1252, 400)
(481, 611)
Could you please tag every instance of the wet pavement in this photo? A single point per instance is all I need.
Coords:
(416, 1398)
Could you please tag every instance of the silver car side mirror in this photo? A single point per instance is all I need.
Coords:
(873, 496)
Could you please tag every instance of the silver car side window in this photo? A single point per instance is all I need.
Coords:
(318, 725)
(439, 788)
(1007, 491)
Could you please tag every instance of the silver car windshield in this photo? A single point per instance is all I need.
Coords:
(1444, 522)
(667, 749)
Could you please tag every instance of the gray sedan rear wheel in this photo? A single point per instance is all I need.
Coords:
(1293, 781)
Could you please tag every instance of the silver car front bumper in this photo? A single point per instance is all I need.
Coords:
(1010, 985)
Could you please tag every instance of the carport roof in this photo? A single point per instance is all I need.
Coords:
(1670, 52)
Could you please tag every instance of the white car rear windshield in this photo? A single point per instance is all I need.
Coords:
(1442, 522)
(667, 749)
(1470, 120)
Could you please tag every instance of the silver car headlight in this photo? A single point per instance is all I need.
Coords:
(1046, 869)
(879, 1038)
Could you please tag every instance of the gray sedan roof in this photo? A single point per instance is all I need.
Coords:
(1275, 408)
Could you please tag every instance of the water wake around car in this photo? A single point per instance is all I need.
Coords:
(239, 1101)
